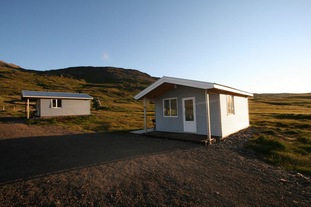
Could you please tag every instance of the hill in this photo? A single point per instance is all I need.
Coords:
(104, 75)
(112, 88)
(73, 79)
(9, 65)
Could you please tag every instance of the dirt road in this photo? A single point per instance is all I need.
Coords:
(51, 166)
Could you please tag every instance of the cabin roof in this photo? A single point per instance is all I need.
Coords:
(165, 84)
(45, 94)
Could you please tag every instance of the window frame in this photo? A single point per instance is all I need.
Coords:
(170, 107)
(230, 105)
(57, 101)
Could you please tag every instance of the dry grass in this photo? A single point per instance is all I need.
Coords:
(286, 121)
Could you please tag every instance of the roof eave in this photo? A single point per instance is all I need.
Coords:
(55, 97)
(175, 81)
(189, 83)
(233, 90)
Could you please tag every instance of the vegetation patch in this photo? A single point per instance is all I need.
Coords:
(293, 116)
(271, 132)
(285, 140)
(267, 144)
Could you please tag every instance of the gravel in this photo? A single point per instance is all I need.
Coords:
(52, 166)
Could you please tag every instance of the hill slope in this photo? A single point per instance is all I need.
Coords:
(9, 65)
(112, 88)
(75, 79)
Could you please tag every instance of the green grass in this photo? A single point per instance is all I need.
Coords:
(117, 111)
(285, 119)
(285, 138)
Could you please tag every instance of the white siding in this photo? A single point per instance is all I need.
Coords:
(240, 119)
(215, 114)
(69, 108)
(175, 124)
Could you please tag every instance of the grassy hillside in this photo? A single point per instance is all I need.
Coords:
(113, 107)
(285, 120)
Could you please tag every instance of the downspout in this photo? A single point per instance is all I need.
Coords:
(208, 120)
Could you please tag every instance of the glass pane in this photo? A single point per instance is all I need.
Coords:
(230, 105)
(173, 107)
(59, 103)
(166, 108)
(189, 110)
(53, 103)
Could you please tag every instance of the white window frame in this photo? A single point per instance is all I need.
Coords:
(170, 107)
(56, 103)
(230, 105)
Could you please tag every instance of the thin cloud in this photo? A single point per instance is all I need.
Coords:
(105, 56)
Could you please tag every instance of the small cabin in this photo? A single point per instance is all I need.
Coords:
(50, 104)
(189, 106)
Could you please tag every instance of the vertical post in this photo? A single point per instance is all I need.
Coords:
(27, 108)
(145, 114)
(208, 119)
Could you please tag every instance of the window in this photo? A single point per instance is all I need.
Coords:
(230, 104)
(56, 103)
(170, 107)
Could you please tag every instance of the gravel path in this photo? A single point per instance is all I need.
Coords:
(51, 166)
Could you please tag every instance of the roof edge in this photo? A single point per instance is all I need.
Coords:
(233, 90)
(23, 96)
(189, 83)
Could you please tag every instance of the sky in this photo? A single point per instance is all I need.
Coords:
(260, 46)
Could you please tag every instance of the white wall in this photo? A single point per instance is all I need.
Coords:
(240, 120)
(69, 108)
(215, 114)
(175, 124)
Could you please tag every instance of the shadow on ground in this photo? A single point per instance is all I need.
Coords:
(9, 119)
(25, 158)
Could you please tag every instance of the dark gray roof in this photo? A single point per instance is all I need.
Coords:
(44, 94)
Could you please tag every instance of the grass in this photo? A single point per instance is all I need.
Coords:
(285, 139)
(116, 110)
(285, 119)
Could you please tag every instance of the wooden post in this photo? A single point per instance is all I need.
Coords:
(27, 108)
(208, 119)
(145, 114)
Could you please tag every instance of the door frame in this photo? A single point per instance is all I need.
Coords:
(194, 115)
(38, 107)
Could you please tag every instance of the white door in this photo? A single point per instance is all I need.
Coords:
(189, 118)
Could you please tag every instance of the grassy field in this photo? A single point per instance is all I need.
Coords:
(285, 120)
(113, 107)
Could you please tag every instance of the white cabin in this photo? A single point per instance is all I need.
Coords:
(58, 104)
(188, 106)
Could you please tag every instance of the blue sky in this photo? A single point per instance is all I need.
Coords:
(259, 46)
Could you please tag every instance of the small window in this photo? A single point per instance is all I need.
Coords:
(230, 105)
(56, 103)
(59, 103)
(170, 107)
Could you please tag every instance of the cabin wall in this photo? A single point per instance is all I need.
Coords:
(215, 114)
(240, 120)
(69, 108)
(175, 124)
